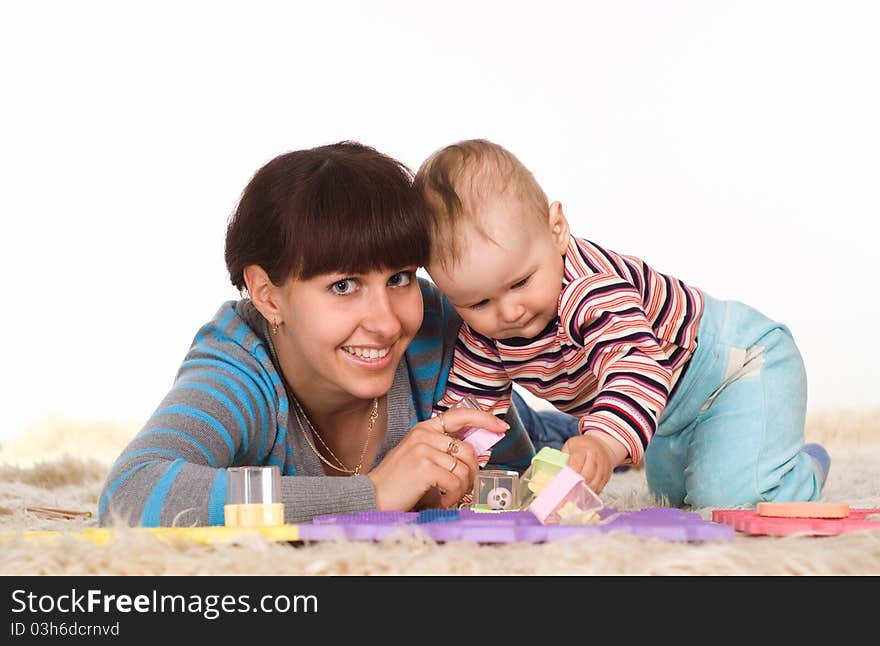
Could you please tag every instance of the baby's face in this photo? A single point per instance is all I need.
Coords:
(510, 287)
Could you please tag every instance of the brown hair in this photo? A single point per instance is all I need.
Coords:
(344, 207)
(455, 182)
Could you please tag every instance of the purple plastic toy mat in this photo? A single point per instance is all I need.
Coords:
(505, 527)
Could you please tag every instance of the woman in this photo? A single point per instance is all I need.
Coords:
(328, 367)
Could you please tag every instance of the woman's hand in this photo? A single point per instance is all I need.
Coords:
(427, 458)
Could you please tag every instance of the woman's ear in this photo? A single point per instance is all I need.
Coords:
(263, 293)
(558, 227)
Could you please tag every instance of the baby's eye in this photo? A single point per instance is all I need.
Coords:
(521, 283)
(343, 287)
(479, 305)
(401, 279)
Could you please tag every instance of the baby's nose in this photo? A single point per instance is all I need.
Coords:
(512, 312)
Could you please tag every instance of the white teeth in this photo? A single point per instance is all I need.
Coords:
(366, 353)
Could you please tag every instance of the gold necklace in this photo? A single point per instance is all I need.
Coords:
(339, 466)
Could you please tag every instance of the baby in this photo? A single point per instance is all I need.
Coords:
(710, 393)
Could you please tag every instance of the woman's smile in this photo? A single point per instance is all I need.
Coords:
(370, 356)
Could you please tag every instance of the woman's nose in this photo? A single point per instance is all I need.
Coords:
(380, 317)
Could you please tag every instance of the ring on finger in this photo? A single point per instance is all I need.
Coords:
(452, 447)
(454, 464)
(442, 423)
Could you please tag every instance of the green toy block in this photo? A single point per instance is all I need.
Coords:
(545, 465)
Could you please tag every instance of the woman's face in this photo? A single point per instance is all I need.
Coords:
(345, 334)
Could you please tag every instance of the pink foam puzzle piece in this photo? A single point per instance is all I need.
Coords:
(748, 521)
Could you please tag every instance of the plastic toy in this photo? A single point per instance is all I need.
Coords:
(749, 521)
(543, 468)
(437, 515)
(496, 490)
(803, 509)
(655, 522)
(480, 439)
(253, 497)
(545, 465)
(566, 499)
(550, 490)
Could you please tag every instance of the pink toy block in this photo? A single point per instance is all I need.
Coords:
(480, 439)
(565, 494)
(749, 521)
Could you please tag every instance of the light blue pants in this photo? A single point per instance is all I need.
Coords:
(733, 431)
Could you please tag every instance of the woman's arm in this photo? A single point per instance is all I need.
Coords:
(173, 471)
(223, 410)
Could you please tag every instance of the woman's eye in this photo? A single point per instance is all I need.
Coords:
(401, 279)
(342, 287)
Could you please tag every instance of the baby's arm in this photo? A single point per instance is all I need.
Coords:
(604, 315)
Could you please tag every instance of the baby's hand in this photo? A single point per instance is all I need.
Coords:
(592, 459)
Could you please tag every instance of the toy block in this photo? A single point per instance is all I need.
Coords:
(550, 460)
(496, 490)
(566, 499)
(546, 464)
(480, 439)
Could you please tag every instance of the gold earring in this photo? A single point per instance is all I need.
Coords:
(274, 327)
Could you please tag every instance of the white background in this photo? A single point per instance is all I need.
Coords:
(734, 145)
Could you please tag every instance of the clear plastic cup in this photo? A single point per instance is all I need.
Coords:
(253, 497)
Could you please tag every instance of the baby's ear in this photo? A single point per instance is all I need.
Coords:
(558, 225)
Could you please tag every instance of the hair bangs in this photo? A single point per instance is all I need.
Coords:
(354, 222)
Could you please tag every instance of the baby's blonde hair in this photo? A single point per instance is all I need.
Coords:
(457, 180)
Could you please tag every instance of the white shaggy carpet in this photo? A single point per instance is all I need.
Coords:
(47, 469)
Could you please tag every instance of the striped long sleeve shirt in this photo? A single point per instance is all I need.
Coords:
(620, 342)
(228, 407)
